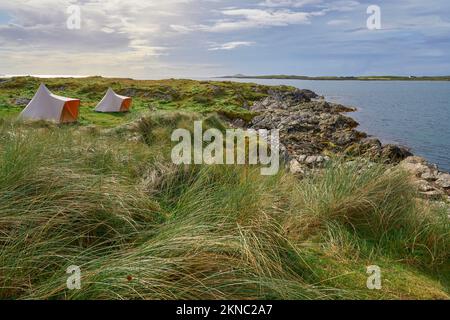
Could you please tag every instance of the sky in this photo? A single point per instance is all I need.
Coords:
(149, 39)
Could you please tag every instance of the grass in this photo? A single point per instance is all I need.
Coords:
(111, 202)
(204, 97)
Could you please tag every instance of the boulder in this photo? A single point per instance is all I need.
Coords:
(423, 186)
(371, 143)
(311, 159)
(429, 175)
(309, 94)
(296, 168)
(394, 153)
(443, 180)
(415, 160)
(415, 165)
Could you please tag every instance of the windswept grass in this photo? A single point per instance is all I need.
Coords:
(141, 228)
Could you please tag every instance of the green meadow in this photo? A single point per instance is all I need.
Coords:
(225, 98)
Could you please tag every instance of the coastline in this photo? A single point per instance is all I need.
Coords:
(337, 78)
(313, 129)
(105, 193)
(405, 113)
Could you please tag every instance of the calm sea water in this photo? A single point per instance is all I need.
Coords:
(412, 114)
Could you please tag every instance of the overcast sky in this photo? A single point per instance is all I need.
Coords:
(196, 38)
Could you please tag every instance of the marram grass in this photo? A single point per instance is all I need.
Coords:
(142, 228)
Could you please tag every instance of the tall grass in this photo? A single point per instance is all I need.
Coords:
(142, 228)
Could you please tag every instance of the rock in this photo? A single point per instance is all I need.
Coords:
(371, 147)
(302, 158)
(341, 108)
(268, 103)
(311, 160)
(343, 138)
(415, 166)
(308, 93)
(429, 175)
(394, 153)
(21, 102)
(337, 122)
(423, 186)
(371, 143)
(431, 183)
(296, 168)
(292, 97)
(433, 195)
(285, 157)
(129, 92)
(443, 180)
(415, 160)
(238, 123)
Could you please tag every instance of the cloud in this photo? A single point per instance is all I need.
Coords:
(181, 29)
(230, 45)
(114, 34)
(256, 18)
(338, 22)
(275, 13)
(289, 3)
(151, 38)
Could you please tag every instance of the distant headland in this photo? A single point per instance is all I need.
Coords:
(357, 78)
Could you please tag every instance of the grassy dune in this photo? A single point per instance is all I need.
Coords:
(141, 228)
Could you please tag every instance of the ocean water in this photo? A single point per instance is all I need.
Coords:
(411, 114)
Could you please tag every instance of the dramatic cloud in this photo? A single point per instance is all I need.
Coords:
(165, 38)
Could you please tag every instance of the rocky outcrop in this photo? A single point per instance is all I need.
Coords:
(311, 128)
(431, 183)
(394, 153)
(306, 127)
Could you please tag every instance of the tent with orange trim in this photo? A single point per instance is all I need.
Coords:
(112, 102)
(48, 106)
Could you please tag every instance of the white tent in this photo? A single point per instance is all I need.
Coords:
(112, 102)
(48, 106)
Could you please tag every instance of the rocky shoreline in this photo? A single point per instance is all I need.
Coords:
(312, 130)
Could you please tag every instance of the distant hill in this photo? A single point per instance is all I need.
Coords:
(358, 78)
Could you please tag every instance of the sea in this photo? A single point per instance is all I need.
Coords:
(414, 114)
